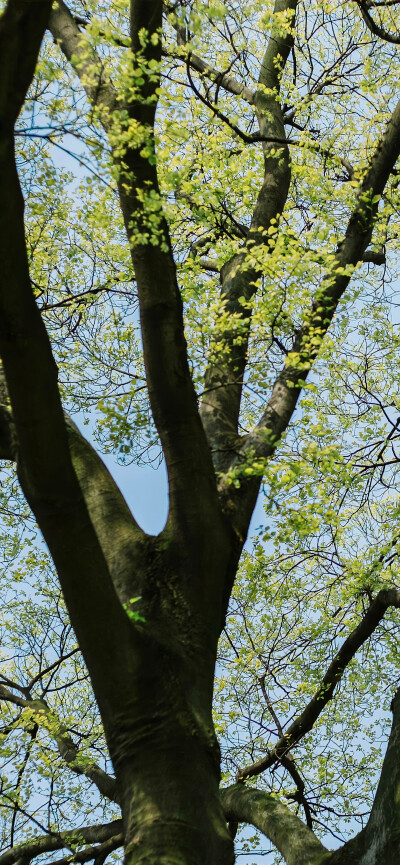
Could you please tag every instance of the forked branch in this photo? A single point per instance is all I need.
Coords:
(305, 721)
(171, 390)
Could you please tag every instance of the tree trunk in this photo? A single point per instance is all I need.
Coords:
(170, 805)
(167, 764)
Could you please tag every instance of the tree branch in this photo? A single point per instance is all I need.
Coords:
(99, 853)
(296, 842)
(88, 66)
(379, 841)
(372, 256)
(121, 538)
(41, 714)
(27, 851)
(223, 80)
(306, 720)
(307, 339)
(224, 377)
(287, 760)
(44, 465)
(171, 391)
(374, 28)
(123, 542)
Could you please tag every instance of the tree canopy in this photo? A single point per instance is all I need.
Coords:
(199, 245)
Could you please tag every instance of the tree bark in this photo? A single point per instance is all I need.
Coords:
(168, 781)
(161, 736)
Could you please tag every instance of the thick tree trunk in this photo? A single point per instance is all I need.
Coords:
(170, 804)
(167, 764)
(159, 725)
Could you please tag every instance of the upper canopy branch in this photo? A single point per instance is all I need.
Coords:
(375, 28)
(306, 720)
(171, 391)
(224, 377)
(247, 138)
(308, 338)
(222, 80)
(65, 31)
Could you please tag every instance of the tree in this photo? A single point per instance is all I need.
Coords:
(250, 201)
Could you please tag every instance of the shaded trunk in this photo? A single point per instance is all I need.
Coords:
(170, 804)
(167, 764)
(159, 726)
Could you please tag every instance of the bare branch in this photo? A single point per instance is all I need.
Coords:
(306, 720)
(98, 853)
(221, 79)
(51, 667)
(27, 851)
(223, 381)
(288, 763)
(41, 714)
(119, 534)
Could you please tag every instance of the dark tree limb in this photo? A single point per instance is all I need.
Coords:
(22, 26)
(372, 256)
(299, 796)
(44, 465)
(375, 28)
(306, 720)
(172, 395)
